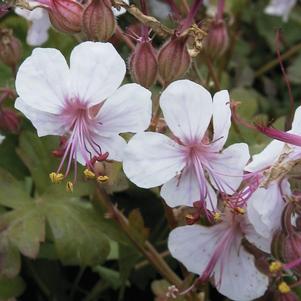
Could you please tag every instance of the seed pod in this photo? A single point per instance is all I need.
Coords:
(98, 21)
(10, 48)
(217, 40)
(174, 59)
(143, 64)
(65, 15)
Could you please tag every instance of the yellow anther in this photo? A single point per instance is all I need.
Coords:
(102, 179)
(217, 216)
(283, 287)
(275, 266)
(89, 174)
(239, 210)
(69, 186)
(56, 177)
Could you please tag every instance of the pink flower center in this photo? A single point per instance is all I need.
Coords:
(81, 129)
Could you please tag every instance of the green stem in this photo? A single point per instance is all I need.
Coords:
(145, 248)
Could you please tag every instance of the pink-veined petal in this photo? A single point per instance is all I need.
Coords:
(129, 109)
(184, 190)
(194, 245)
(187, 109)
(43, 80)
(221, 118)
(45, 123)
(97, 70)
(152, 159)
(227, 169)
(240, 279)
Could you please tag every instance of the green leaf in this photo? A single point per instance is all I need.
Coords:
(109, 275)
(24, 228)
(10, 259)
(35, 152)
(10, 288)
(77, 232)
(12, 193)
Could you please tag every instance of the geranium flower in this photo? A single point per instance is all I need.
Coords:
(216, 253)
(38, 30)
(281, 8)
(271, 167)
(82, 102)
(185, 163)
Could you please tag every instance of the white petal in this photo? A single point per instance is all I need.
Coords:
(267, 157)
(45, 123)
(256, 239)
(43, 80)
(241, 280)
(185, 190)
(265, 208)
(1, 138)
(114, 145)
(194, 245)
(38, 31)
(121, 11)
(97, 70)
(280, 8)
(296, 126)
(129, 109)
(152, 159)
(227, 169)
(221, 118)
(187, 109)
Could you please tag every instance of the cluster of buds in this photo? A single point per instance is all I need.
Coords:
(10, 48)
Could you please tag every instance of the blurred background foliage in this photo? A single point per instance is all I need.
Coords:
(60, 246)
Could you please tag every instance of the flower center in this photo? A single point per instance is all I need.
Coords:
(80, 144)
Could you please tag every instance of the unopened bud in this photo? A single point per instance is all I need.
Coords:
(10, 48)
(65, 15)
(217, 40)
(9, 121)
(174, 59)
(98, 20)
(143, 64)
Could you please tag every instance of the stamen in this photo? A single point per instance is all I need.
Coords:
(283, 287)
(56, 177)
(89, 174)
(102, 179)
(275, 266)
(69, 186)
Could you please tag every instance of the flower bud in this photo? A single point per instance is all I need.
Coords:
(65, 15)
(98, 20)
(9, 121)
(217, 40)
(10, 48)
(174, 59)
(143, 64)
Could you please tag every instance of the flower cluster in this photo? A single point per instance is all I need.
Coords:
(242, 232)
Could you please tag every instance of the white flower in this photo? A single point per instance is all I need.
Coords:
(217, 253)
(40, 24)
(266, 204)
(82, 102)
(185, 163)
(281, 8)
